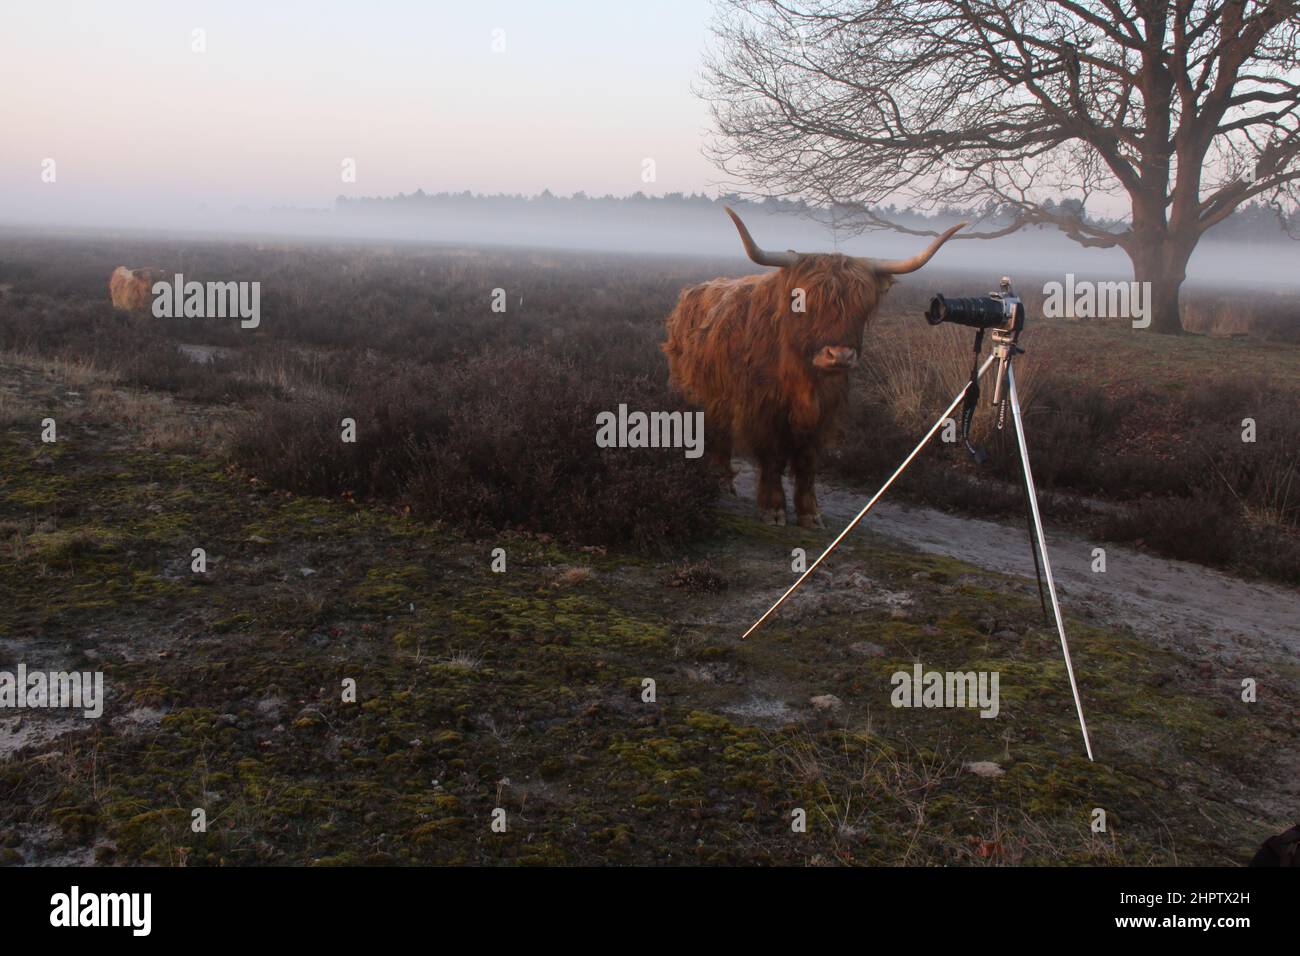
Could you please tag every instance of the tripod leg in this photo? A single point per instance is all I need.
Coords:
(1033, 548)
(1042, 548)
(872, 503)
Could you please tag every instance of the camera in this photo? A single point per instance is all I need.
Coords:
(1001, 311)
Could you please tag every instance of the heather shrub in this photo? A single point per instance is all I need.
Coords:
(517, 450)
(501, 441)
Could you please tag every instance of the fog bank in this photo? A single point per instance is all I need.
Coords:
(632, 226)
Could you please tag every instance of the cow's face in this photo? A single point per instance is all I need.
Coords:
(840, 295)
(825, 300)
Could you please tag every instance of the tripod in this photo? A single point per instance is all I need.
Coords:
(1004, 350)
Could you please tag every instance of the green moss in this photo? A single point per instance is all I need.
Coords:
(65, 547)
(390, 586)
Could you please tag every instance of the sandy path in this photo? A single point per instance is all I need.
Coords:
(1201, 612)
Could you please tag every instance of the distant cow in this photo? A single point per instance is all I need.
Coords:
(132, 288)
(769, 376)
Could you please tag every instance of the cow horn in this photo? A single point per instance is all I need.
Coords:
(897, 267)
(761, 256)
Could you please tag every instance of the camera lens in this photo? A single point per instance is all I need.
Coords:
(978, 312)
(938, 310)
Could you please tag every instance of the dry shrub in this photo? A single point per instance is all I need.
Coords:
(572, 577)
(1219, 499)
(500, 442)
(519, 451)
(1195, 529)
(1065, 431)
(1269, 314)
(297, 444)
(914, 371)
(158, 420)
(697, 576)
(911, 372)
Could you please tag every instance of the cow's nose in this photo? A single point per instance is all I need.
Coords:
(838, 356)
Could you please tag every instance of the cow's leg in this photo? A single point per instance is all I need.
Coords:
(771, 495)
(804, 465)
(717, 452)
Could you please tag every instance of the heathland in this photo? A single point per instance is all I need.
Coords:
(525, 689)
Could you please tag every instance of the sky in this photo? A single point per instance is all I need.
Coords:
(263, 107)
(210, 116)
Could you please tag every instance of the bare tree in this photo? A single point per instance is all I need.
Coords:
(1183, 109)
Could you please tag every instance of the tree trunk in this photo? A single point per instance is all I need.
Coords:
(1163, 302)
(1164, 268)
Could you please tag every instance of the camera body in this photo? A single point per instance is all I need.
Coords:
(1002, 311)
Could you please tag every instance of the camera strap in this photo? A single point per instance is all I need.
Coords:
(972, 403)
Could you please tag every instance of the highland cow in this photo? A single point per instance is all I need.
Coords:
(767, 357)
(132, 289)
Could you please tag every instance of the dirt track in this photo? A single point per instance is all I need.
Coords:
(1201, 612)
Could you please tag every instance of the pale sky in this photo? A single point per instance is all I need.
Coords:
(583, 92)
(145, 131)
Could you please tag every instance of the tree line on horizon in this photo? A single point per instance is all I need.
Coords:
(1252, 221)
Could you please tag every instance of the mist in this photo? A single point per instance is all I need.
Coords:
(633, 227)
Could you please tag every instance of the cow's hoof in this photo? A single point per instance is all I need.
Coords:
(774, 516)
(811, 521)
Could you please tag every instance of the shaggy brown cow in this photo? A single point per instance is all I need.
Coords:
(771, 379)
(132, 289)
